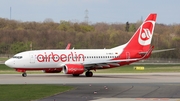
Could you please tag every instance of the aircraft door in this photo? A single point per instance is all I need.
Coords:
(32, 58)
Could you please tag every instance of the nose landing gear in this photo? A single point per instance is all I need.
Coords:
(23, 71)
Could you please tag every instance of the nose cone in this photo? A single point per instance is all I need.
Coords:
(9, 63)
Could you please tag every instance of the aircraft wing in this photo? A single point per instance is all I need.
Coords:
(115, 62)
(110, 61)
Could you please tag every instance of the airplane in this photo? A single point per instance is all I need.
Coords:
(78, 61)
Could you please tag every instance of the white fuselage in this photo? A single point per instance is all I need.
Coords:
(57, 58)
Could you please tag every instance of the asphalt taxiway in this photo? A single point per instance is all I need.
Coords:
(106, 87)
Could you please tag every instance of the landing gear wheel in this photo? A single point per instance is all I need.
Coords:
(76, 75)
(24, 74)
(89, 74)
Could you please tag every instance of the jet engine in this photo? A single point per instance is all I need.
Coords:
(73, 69)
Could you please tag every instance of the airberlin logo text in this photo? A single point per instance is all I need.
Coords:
(52, 57)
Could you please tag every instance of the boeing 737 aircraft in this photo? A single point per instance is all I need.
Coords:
(78, 61)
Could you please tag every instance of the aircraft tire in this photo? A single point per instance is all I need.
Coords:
(24, 74)
(89, 74)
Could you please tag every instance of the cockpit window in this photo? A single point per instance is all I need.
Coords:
(17, 57)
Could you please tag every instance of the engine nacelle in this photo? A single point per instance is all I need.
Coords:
(73, 69)
(53, 70)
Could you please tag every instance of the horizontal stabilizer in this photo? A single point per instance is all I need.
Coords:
(163, 50)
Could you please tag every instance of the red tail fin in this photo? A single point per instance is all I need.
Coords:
(141, 40)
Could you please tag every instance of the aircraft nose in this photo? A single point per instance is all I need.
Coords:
(9, 63)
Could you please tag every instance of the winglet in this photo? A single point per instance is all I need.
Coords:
(68, 46)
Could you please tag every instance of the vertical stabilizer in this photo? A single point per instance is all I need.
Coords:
(141, 39)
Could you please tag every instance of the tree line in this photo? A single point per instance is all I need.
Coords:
(17, 36)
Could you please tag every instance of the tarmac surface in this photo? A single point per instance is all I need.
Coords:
(107, 87)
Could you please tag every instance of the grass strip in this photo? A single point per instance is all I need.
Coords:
(29, 92)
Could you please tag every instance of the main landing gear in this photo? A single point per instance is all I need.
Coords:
(24, 74)
(89, 74)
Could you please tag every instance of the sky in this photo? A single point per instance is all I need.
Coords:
(108, 11)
